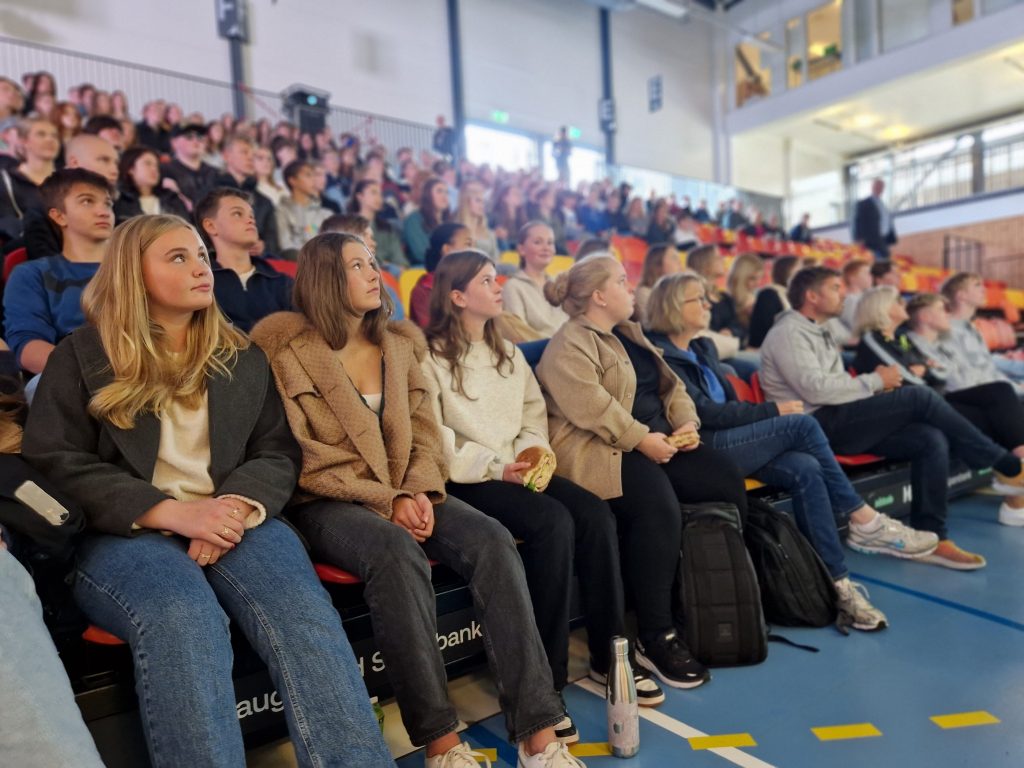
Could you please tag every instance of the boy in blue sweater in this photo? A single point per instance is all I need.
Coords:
(43, 298)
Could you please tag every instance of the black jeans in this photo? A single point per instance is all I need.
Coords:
(915, 424)
(651, 524)
(564, 524)
(402, 607)
(995, 409)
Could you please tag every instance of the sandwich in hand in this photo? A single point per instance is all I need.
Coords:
(684, 440)
(542, 467)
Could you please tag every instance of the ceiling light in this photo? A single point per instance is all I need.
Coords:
(665, 6)
(895, 133)
(865, 121)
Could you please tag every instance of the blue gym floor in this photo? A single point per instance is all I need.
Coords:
(955, 646)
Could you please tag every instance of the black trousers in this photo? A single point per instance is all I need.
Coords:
(915, 424)
(564, 525)
(995, 409)
(651, 525)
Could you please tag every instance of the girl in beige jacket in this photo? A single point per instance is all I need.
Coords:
(615, 415)
(374, 474)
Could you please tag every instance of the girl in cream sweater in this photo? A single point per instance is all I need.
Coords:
(491, 409)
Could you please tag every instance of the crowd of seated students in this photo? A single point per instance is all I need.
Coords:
(154, 411)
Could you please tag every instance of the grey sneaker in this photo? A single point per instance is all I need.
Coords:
(891, 537)
(853, 601)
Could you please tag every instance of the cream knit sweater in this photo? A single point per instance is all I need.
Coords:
(500, 415)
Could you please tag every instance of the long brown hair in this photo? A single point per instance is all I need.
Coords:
(432, 218)
(654, 263)
(147, 377)
(321, 290)
(445, 333)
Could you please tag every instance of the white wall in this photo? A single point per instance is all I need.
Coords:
(389, 58)
(678, 139)
(537, 60)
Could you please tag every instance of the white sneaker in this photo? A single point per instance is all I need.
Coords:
(1011, 515)
(853, 601)
(885, 536)
(555, 755)
(461, 756)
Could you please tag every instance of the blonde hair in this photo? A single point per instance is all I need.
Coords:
(477, 225)
(572, 289)
(147, 377)
(665, 306)
(873, 308)
(744, 266)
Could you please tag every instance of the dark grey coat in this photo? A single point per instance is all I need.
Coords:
(109, 470)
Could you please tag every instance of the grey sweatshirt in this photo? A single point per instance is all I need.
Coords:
(800, 360)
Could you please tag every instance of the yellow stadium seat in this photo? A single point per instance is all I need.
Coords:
(407, 282)
(510, 257)
(559, 264)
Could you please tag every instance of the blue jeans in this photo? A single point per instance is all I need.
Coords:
(396, 572)
(175, 616)
(793, 453)
(40, 725)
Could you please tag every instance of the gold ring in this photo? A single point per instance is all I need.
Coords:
(205, 555)
(233, 513)
(226, 532)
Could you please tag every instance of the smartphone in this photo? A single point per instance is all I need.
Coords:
(42, 503)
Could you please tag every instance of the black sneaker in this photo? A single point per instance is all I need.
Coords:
(648, 692)
(669, 658)
(566, 731)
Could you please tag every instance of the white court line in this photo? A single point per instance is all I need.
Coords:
(732, 754)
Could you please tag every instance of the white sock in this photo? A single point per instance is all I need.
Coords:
(872, 525)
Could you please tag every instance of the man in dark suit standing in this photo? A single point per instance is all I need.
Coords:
(872, 223)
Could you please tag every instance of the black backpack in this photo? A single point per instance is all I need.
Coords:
(718, 602)
(796, 587)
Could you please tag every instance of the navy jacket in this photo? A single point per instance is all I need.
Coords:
(267, 291)
(713, 416)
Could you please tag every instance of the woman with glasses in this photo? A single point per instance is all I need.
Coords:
(772, 442)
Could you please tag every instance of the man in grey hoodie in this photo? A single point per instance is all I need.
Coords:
(871, 413)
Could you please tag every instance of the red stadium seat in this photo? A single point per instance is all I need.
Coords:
(13, 259)
(755, 388)
(283, 266)
(94, 634)
(743, 390)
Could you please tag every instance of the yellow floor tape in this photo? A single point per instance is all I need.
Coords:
(839, 732)
(722, 741)
(597, 749)
(965, 719)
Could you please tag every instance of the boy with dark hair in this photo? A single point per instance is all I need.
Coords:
(43, 299)
(299, 215)
(106, 127)
(872, 413)
(247, 288)
(240, 173)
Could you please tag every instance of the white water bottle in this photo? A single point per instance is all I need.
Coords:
(620, 694)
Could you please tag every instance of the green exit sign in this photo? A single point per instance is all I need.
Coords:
(574, 132)
(499, 116)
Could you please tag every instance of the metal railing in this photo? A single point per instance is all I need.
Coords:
(212, 98)
(962, 254)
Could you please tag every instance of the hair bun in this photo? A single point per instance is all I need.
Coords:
(555, 291)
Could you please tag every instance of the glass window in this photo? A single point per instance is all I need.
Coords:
(865, 25)
(500, 148)
(795, 47)
(903, 22)
(753, 77)
(585, 164)
(963, 10)
(824, 33)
